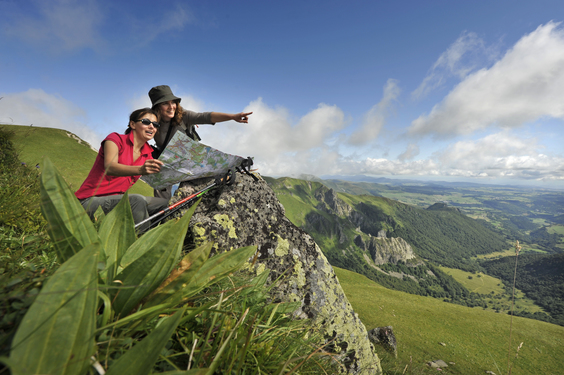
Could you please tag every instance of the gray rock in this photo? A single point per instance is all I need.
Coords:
(385, 337)
(248, 213)
(439, 363)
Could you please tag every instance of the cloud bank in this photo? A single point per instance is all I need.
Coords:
(523, 86)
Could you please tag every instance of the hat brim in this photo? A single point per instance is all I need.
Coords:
(166, 98)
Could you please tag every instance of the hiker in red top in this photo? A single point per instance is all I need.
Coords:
(122, 159)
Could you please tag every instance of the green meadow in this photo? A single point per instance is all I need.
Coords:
(71, 156)
(492, 289)
(471, 339)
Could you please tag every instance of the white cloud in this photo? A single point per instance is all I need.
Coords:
(279, 144)
(375, 119)
(36, 107)
(460, 58)
(500, 155)
(144, 30)
(72, 25)
(525, 85)
(60, 25)
(411, 152)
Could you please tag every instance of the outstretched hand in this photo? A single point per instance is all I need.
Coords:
(242, 117)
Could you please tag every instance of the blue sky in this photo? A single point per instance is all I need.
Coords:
(444, 90)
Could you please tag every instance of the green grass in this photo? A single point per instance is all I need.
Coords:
(559, 229)
(475, 340)
(71, 158)
(475, 282)
(492, 289)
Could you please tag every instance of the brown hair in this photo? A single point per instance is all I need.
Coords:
(137, 114)
(177, 119)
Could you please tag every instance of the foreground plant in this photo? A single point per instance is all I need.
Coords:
(126, 305)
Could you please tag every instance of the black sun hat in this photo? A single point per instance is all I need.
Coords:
(160, 94)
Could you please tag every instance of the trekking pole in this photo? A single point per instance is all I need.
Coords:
(177, 204)
(228, 179)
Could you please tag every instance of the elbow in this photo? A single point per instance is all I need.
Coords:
(110, 170)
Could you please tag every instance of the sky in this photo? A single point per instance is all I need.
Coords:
(433, 90)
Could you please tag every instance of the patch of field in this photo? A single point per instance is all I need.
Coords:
(492, 289)
(475, 340)
(558, 229)
(476, 282)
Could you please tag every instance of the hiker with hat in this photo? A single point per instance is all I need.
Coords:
(122, 159)
(172, 117)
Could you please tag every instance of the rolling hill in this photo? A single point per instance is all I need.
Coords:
(70, 155)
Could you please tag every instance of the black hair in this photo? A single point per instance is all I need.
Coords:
(137, 114)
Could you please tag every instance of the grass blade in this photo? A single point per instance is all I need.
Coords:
(142, 357)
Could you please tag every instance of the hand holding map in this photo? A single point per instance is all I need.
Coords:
(185, 159)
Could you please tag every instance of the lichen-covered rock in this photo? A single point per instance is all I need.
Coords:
(248, 213)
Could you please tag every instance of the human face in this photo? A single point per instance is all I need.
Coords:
(167, 110)
(142, 131)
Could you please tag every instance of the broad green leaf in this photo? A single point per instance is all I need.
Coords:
(69, 226)
(56, 336)
(142, 357)
(149, 239)
(196, 371)
(213, 270)
(188, 267)
(14, 366)
(117, 234)
(148, 271)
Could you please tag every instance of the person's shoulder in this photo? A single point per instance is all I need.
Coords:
(117, 138)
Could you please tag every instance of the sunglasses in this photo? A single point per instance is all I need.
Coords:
(146, 121)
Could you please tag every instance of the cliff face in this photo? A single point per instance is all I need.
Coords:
(386, 250)
(367, 220)
(248, 213)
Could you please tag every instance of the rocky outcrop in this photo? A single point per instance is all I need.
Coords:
(330, 202)
(385, 337)
(386, 250)
(248, 213)
(321, 224)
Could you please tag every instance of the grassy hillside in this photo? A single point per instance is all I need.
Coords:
(475, 340)
(71, 156)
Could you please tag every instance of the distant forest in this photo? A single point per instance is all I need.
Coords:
(540, 277)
